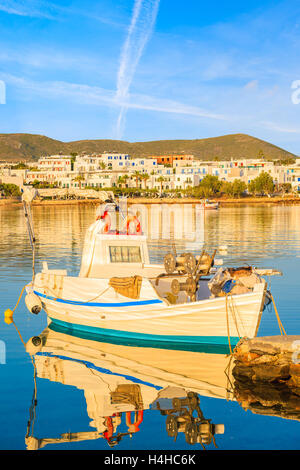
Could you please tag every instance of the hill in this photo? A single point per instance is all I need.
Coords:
(31, 146)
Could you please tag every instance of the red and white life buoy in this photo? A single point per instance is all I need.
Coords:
(133, 219)
(106, 218)
(138, 419)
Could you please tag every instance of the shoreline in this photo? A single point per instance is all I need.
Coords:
(141, 200)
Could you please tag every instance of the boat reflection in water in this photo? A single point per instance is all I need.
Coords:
(132, 379)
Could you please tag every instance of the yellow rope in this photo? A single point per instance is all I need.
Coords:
(8, 314)
(234, 311)
(18, 331)
(281, 328)
(33, 363)
(229, 383)
(227, 321)
(8, 318)
(20, 296)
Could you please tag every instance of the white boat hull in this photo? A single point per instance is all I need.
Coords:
(74, 305)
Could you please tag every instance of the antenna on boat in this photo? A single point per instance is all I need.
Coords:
(27, 197)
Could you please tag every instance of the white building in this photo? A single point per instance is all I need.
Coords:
(55, 163)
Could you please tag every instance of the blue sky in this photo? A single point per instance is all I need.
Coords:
(151, 69)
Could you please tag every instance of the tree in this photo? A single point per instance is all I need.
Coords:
(43, 184)
(79, 178)
(10, 190)
(122, 180)
(102, 165)
(287, 161)
(145, 177)
(261, 155)
(161, 179)
(238, 188)
(73, 159)
(137, 175)
(19, 166)
(209, 186)
(226, 188)
(252, 186)
(262, 184)
(286, 187)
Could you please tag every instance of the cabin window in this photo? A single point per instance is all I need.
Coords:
(125, 254)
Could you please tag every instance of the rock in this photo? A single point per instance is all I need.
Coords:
(295, 370)
(270, 359)
(271, 373)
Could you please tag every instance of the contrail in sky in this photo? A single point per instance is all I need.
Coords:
(139, 32)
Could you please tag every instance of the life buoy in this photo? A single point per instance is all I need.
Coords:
(109, 428)
(138, 419)
(135, 220)
(106, 217)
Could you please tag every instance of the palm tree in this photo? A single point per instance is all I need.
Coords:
(79, 178)
(126, 178)
(123, 180)
(102, 165)
(145, 177)
(137, 175)
(161, 179)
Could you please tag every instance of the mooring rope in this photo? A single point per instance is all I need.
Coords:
(227, 322)
(281, 327)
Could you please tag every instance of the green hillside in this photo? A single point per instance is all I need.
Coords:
(237, 146)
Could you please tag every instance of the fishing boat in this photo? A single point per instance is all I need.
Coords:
(119, 293)
(120, 382)
(210, 205)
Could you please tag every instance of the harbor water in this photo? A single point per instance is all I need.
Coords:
(84, 390)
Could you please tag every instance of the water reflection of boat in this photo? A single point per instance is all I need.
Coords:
(118, 293)
(120, 382)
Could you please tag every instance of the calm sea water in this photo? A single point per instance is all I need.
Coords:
(78, 391)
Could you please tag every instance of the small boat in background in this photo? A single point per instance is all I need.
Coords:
(209, 205)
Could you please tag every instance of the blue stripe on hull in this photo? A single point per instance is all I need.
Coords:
(102, 370)
(218, 344)
(101, 304)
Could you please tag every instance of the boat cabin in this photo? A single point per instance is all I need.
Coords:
(119, 251)
(117, 255)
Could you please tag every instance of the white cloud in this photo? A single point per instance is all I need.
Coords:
(279, 128)
(33, 8)
(252, 85)
(99, 96)
(139, 32)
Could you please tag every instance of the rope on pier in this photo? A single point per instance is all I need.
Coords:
(281, 328)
